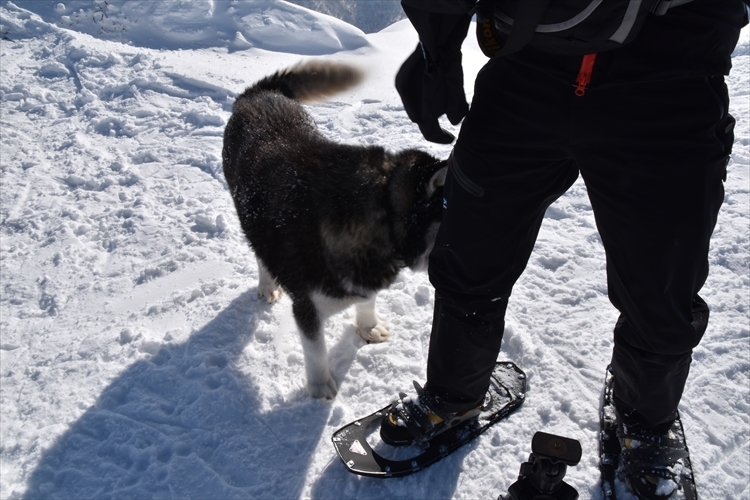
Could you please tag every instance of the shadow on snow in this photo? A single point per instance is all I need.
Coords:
(187, 423)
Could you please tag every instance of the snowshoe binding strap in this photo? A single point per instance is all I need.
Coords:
(647, 458)
(659, 462)
(423, 419)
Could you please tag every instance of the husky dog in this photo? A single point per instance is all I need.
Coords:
(330, 224)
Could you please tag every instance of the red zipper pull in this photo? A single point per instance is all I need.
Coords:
(584, 75)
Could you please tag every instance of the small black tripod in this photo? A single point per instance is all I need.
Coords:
(541, 478)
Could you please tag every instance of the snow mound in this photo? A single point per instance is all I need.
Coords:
(237, 25)
(371, 16)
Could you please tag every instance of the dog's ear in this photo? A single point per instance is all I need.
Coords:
(437, 180)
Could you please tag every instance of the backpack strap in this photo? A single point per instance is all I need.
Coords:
(527, 18)
(661, 7)
(529, 13)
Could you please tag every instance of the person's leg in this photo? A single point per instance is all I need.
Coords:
(653, 156)
(509, 164)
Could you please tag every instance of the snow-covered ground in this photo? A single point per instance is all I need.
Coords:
(135, 358)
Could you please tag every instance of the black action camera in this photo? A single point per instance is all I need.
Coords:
(541, 478)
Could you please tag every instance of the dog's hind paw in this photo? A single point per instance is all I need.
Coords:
(375, 334)
(270, 295)
(323, 390)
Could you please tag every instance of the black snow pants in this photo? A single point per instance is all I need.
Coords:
(652, 152)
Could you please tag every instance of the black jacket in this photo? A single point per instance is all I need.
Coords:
(697, 37)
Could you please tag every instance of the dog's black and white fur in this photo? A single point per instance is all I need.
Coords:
(330, 224)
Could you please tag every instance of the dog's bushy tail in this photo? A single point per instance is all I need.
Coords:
(308, 81)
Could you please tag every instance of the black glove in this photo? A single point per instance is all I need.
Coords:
(431, 90)
(431, 80)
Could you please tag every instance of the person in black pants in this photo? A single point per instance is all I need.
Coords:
(650, 134)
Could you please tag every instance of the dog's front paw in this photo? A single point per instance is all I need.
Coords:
(326, 389)
(374, 334)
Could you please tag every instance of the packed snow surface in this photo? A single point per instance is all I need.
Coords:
(135, 358)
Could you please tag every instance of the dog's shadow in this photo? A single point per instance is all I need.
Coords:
(187, 423)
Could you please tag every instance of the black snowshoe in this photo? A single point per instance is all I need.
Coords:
(437, 435)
